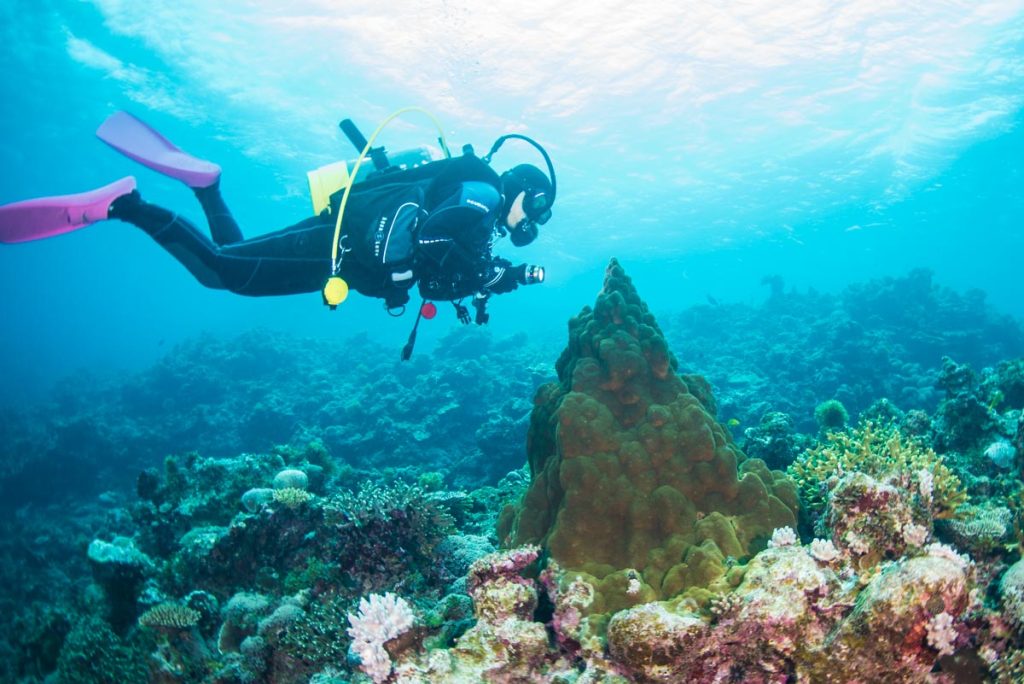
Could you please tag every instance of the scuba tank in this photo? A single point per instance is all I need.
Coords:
(331, 179)
(337, 179)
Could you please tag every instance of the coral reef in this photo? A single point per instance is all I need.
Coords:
(881, 452)
(793, 615)
(463, 408)
(658, 551)
(880, 338)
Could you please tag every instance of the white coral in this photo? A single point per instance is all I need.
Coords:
(856, 543)
(1001, 453)
(947, 552)
(782, 536)
(926, 484)
(914, 534)
(380, 619)
(824, 550)
(942, 633)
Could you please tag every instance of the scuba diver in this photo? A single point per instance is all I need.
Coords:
(431, 223)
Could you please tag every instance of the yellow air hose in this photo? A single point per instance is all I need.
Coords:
(336, 289)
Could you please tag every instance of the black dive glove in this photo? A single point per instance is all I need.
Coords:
(514, 276)
(462, 312)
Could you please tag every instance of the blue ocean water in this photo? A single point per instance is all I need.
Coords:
(705, 147)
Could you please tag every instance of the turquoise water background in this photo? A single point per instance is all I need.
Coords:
(827, 142)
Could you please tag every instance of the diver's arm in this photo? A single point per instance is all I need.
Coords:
(504, 277)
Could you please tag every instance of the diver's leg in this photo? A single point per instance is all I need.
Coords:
(290, 261)
(184, 241)
(222, 224)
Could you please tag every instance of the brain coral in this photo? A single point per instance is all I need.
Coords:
(629, 469)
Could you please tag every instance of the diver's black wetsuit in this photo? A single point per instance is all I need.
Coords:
(432, 229)
(289, 261)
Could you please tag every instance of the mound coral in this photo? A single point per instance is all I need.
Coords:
(630, 470)
(505, 644)
(794, 619)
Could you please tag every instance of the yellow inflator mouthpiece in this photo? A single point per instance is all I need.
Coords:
(335, 291)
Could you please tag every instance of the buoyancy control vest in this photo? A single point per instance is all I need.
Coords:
(400, 223)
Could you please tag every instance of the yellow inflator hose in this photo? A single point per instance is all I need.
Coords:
(336, 289)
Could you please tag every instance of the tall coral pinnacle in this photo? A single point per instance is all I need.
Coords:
(629, 467)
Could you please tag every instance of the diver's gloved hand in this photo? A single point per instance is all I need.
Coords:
(527, 274)
(462, 312)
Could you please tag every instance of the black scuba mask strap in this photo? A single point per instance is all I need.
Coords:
(547, 160)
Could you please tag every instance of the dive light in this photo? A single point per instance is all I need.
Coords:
(533, 275)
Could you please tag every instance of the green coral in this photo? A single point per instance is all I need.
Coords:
(630, 472)
(982, 529)
(170, 616)
(319, 636)
(292, 497)
(315, 570)
(94, 654)
(882, 452)
(1009, 669)
(831, 415)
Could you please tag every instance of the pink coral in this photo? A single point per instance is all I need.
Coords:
(872, 520)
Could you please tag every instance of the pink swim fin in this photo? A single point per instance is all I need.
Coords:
(45, 217)
(137, 140)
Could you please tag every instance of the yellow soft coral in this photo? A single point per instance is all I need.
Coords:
(882, 452)
(292, 497)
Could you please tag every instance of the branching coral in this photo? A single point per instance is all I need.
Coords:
(292, 497)
(884, 453)
(379, 535)
(379, 619)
